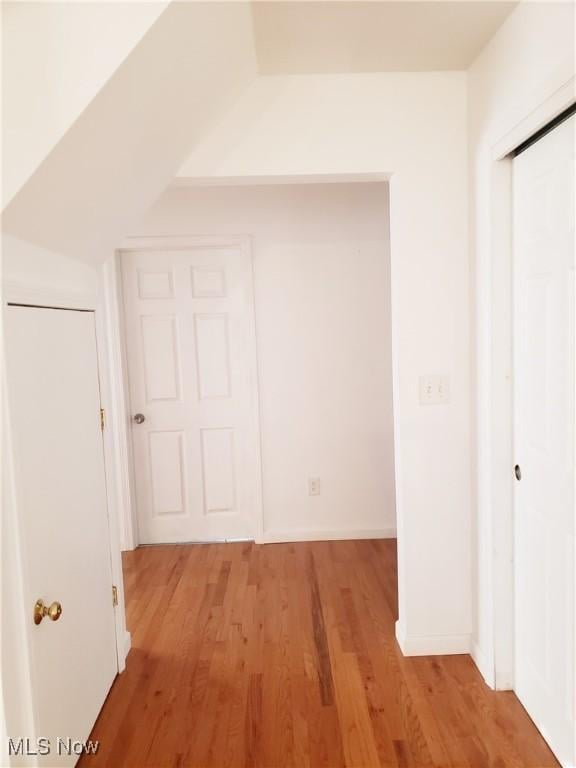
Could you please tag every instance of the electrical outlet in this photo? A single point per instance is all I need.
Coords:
(434, 390)
(313, 486)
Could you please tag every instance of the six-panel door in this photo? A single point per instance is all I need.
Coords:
(191, 356)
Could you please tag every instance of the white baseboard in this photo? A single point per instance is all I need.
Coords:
(432, 645)
(481, 661)
(282, 537)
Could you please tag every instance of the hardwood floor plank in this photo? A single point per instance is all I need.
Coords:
(248, 656)
(324, 668)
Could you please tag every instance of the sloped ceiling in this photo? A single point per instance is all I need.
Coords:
(299, 42)
(129, 142)
(55, 58)
(184, 77)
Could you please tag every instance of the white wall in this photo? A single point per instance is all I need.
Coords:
(529, 59)
(55, 58)
(322, 297)
(29, 271)
(412, 125)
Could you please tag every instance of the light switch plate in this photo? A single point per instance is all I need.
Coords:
(434, 390)
(313, 486)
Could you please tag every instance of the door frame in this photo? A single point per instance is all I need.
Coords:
(499, 671)
(30, 293)
(128, 519)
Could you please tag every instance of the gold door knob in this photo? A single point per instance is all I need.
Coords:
(53, 611)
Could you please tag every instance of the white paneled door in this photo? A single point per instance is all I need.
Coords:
(189, 316)
(60, 494)
(544, 377)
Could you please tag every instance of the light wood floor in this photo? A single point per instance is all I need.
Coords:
(284, 655)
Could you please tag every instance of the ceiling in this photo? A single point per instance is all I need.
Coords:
(358, 36)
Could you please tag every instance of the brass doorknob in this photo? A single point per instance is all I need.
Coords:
(139, 418)
(53, 611)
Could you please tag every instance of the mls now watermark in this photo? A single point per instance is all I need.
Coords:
(62, 745)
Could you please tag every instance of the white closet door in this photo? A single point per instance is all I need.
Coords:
(544, 386)
(54, 411)
(191, 356)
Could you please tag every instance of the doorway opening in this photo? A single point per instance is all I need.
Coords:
(285, 332)
(262, 364)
